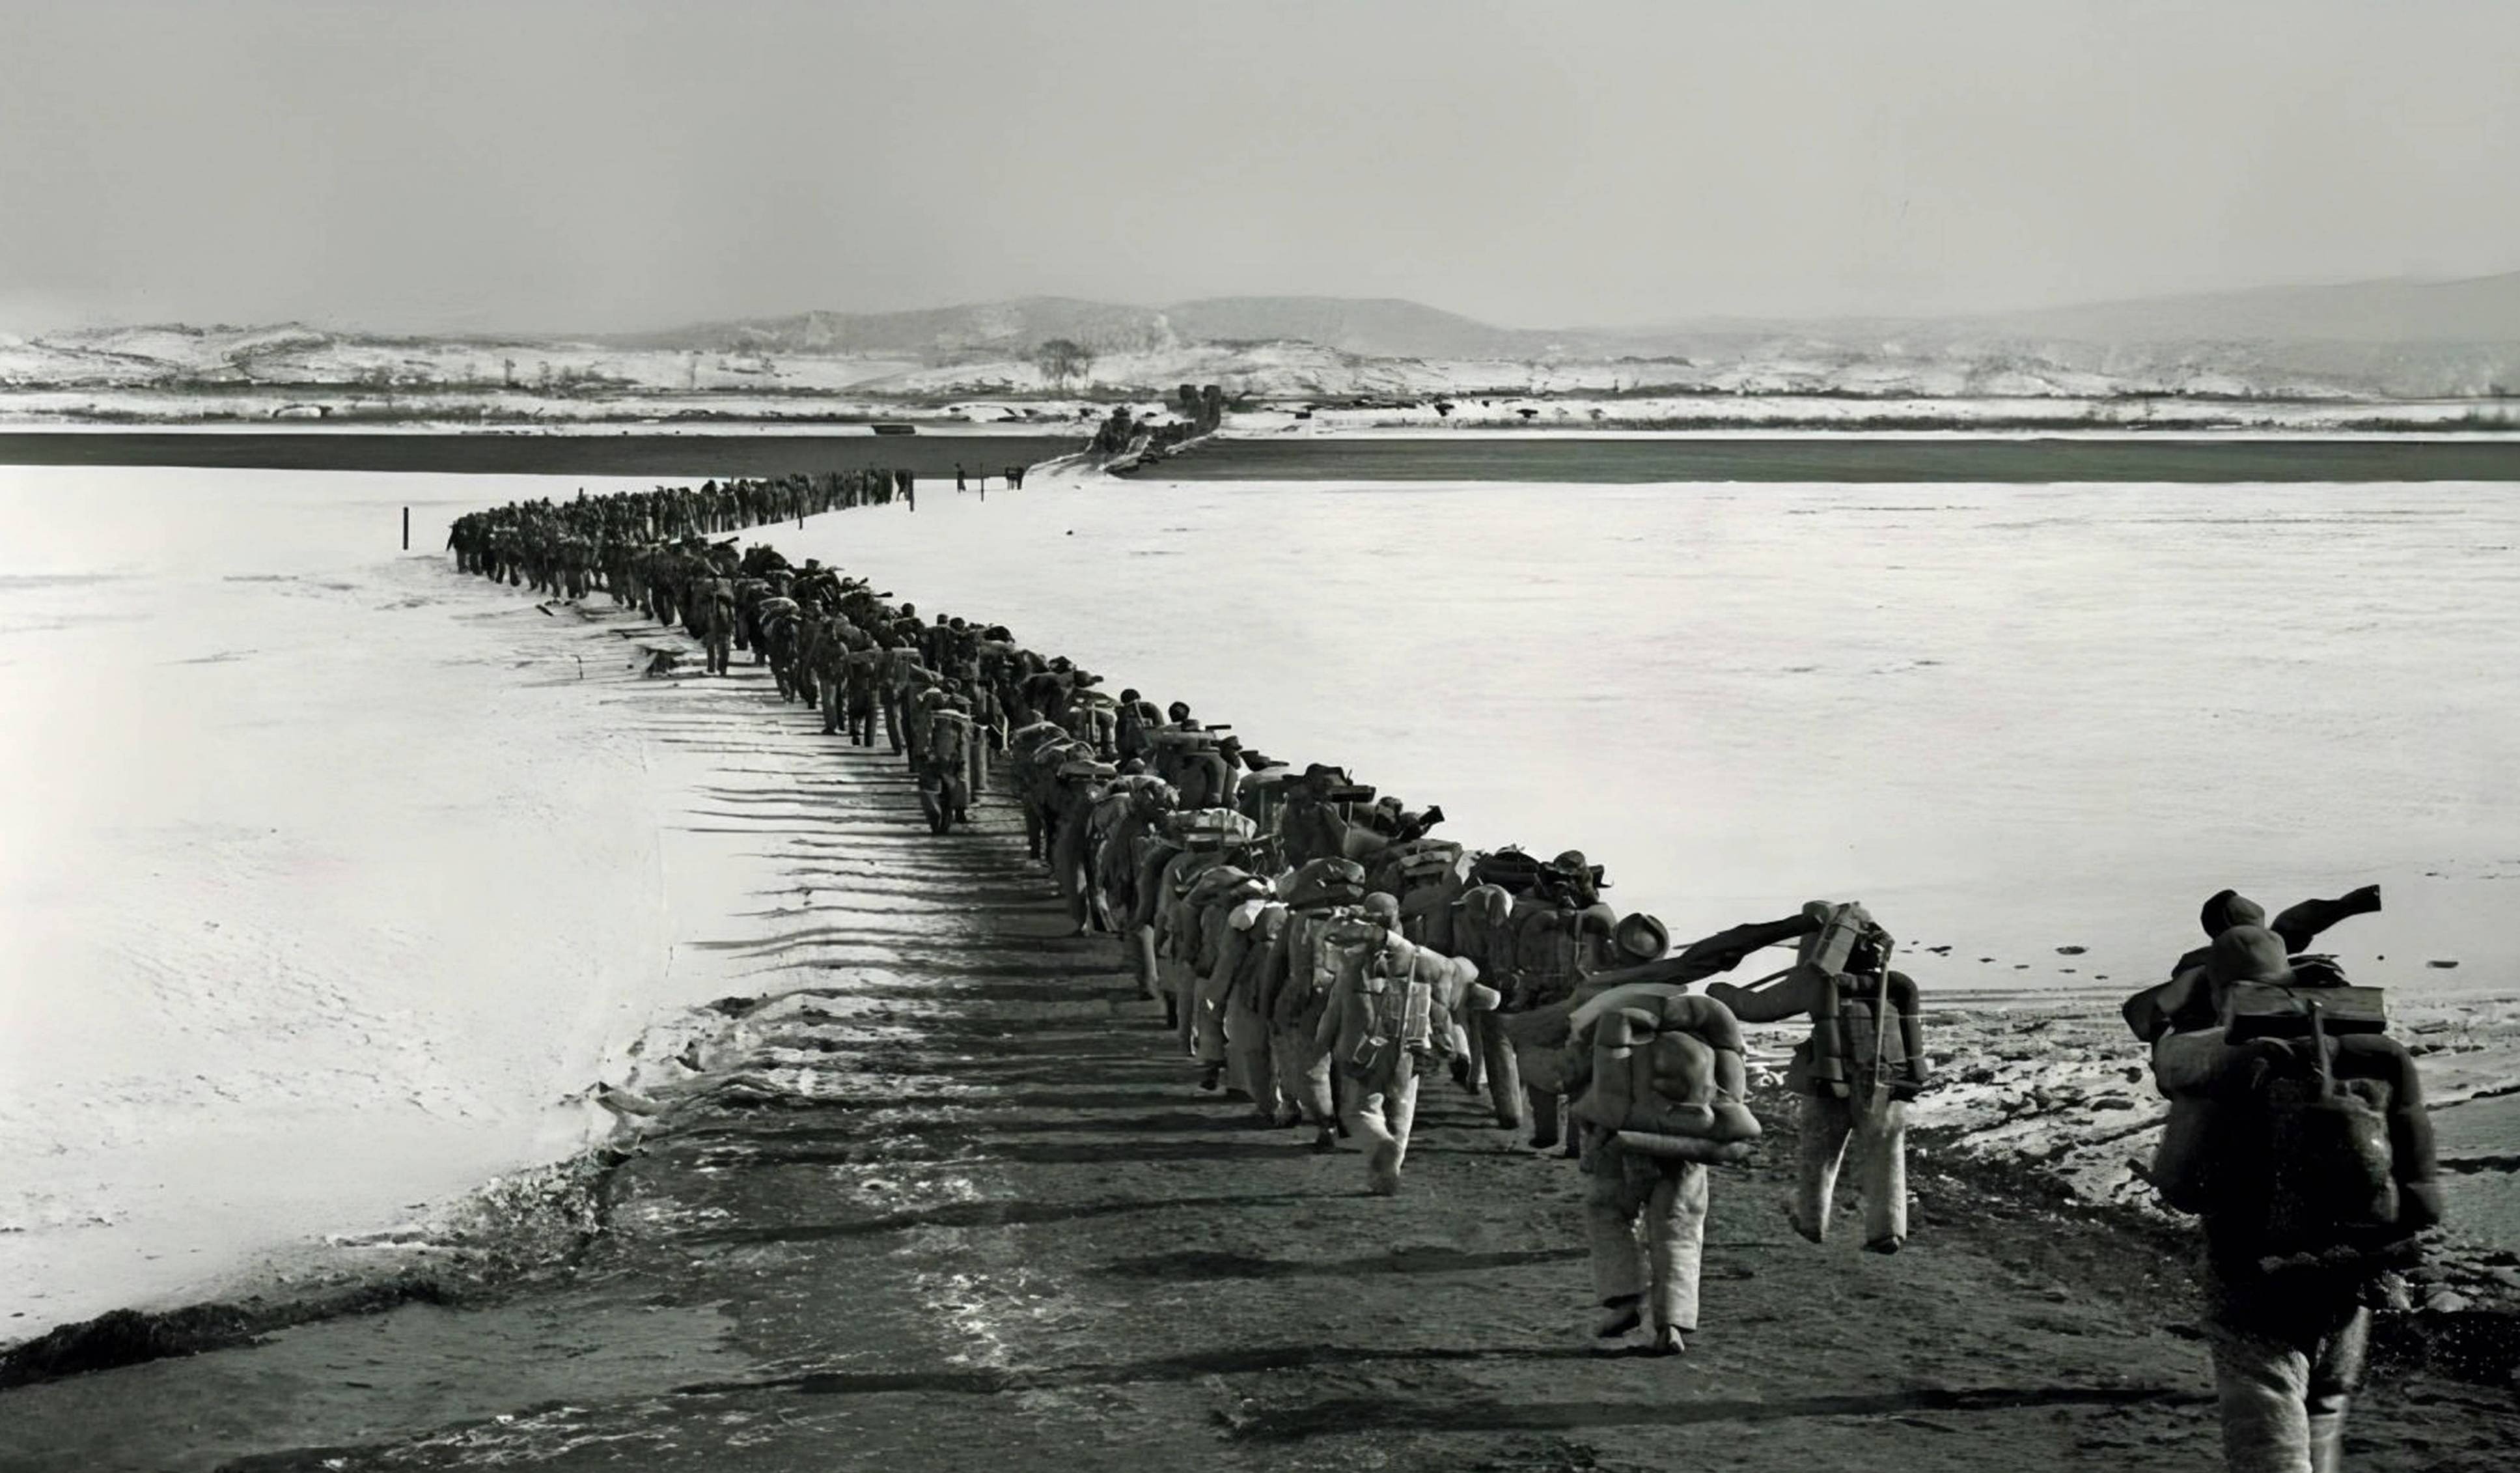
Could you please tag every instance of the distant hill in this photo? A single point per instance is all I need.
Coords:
(1381, 327)
(2477, 309)
(934, 334)
(1369, 327)
(2370, 339)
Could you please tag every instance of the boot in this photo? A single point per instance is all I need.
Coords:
(1544, 1119)
(1382, 1170)
(1619, 1317)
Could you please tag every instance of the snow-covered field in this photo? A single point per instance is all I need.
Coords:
(328, 888)
(323, 891)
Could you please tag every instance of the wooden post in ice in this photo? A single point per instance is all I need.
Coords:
(406, 528)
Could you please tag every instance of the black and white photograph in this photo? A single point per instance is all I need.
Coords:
(1132, 736)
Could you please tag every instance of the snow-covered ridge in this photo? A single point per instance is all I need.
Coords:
(1294, 352)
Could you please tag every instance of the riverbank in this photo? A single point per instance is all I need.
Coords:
(1568, 456)
(931, 1191)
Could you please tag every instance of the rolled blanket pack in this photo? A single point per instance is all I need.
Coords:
(1686, 1148)
(1664, 1062)
(1325, 882)
(1225, 884)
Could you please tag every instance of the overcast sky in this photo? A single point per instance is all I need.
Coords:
(562, 167)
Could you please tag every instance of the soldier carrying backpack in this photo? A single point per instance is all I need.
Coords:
(1325, 935)
(1134, 721)
(944, 776)
(2297, 1132)
(1658, 1086)
(1557, 932)
(1255, 929)
(1386, 1024)
(1855, 1071)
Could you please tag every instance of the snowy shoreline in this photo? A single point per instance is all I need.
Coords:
(1775, 415)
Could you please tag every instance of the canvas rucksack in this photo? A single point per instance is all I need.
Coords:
(2279, 1148)
(1324, 883)
(1510, 869)
(1482, 927)
(1550, 949)
(1089, 719)
(1667, 1074)
(1424, 875)
(1194, 763)
(1136, 719)
(2331, 1169)
(1350, 947)
(1846, 1040)
(1025, 739)
(1261, 921)
(1311, 964)
(949, 738)
(1177, 935)
(1210, 908)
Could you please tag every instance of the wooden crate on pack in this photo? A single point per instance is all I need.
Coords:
(2274, 1010)
(1214, 828)
(1418, 861)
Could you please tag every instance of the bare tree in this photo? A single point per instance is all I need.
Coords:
(1060, 360)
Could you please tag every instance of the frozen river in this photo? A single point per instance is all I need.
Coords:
(314, 904)
(2012, 718)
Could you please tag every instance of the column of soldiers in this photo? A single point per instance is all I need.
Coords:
(1319, 953)
(567, 548)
